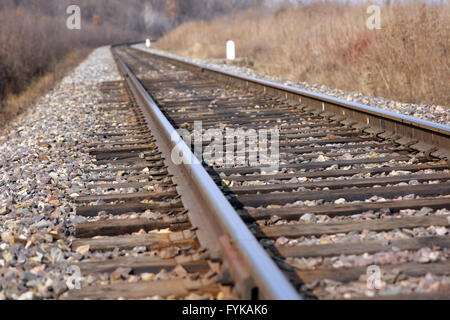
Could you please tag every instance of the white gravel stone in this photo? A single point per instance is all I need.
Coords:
(41, 164)
(435, 113)
(98, 67)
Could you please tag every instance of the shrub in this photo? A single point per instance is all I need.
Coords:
(328, 43)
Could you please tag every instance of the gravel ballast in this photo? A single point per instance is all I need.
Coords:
(439, 114)
(41, 164)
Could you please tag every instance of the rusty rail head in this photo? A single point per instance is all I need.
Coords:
(422, 135)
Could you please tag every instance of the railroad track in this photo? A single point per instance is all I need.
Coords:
(135, 214)
(355, 188)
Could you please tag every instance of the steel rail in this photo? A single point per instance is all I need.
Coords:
(255, 273)
(419, 134)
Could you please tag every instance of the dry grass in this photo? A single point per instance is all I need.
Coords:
(36, 49)
(31, 42)
(328, 43)
(14, 104)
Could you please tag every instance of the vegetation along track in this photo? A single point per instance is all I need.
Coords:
(355, 188)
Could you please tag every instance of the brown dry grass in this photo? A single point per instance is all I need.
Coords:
(30, 42)
(328, 43)
(14, 104)
(37, 48)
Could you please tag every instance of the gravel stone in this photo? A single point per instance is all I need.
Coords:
(41, 164)
(435, 113)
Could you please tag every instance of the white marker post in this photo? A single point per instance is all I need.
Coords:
(231, 53)
(148, 43)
